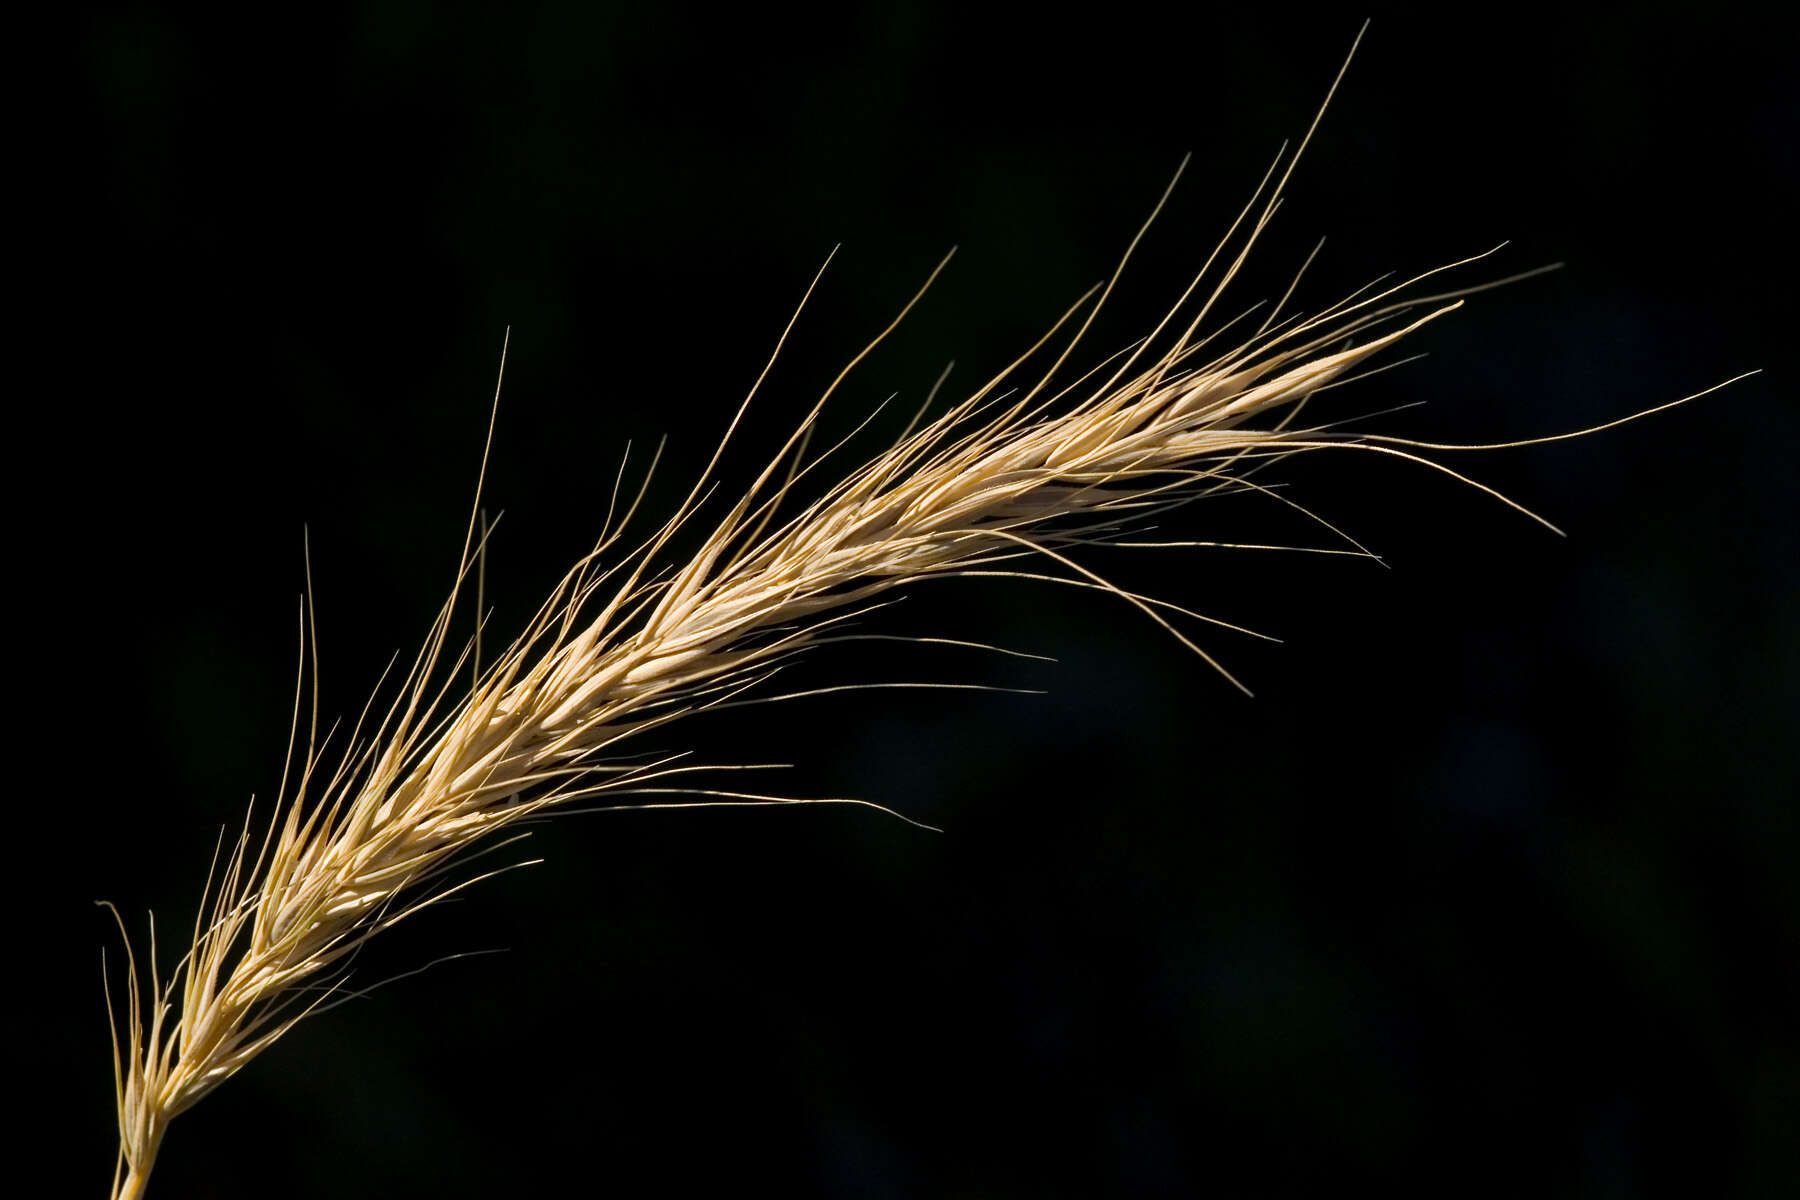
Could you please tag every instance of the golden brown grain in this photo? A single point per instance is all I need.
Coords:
(620, 649)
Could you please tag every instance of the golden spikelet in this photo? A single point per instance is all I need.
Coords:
(622, 647)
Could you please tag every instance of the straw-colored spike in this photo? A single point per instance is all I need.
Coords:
(350, 851)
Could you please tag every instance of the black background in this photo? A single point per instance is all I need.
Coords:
(1490, 889)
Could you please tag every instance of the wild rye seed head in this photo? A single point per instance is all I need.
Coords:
(618, 651)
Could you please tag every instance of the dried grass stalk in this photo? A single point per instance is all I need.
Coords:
(618, 651)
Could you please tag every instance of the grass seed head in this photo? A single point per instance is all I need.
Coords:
(1006, 481)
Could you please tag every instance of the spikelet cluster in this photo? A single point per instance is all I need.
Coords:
(630, 641)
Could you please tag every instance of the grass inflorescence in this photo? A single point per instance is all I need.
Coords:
(1016, 478)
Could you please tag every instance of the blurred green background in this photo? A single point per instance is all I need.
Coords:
(1490, 890)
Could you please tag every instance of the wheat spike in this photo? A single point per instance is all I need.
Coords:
(625, 646)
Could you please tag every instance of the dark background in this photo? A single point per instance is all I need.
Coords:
(1490, 889)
